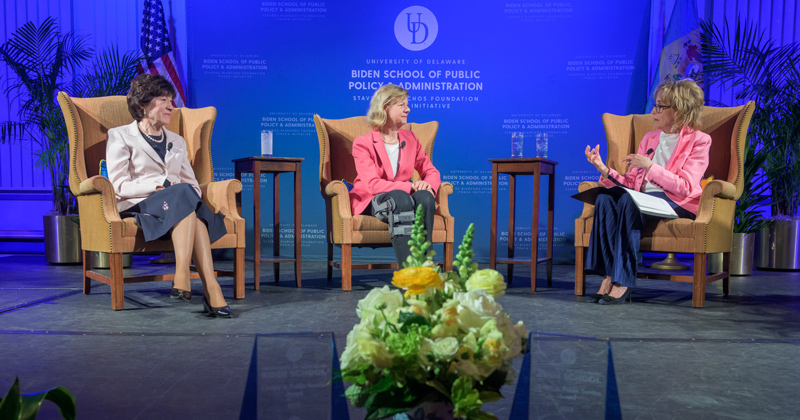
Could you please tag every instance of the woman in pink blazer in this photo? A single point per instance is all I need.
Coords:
(154, 182)
(669, 164)
(385, 160)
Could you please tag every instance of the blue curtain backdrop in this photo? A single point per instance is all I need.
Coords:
(482, 71)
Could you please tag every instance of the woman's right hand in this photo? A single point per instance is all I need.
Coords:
(593, 156)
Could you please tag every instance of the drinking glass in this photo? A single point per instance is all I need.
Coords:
(541, 145)
(266, 142)
(516, 144)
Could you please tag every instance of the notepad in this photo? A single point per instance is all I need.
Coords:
(646, 203)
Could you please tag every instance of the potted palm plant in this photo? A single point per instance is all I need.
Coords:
(748, 220)
(745, 60)
(43, 61)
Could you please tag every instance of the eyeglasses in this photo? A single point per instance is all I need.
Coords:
(660, 108)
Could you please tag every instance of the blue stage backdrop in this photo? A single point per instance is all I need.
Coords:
(482, 69)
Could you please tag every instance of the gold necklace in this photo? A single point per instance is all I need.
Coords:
(161, 140)
(396, 140)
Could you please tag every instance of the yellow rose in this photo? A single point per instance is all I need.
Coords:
(489, 280)
(416, 280)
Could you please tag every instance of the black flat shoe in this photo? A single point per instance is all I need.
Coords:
(611, 300)
(221, 312)
(184, 295)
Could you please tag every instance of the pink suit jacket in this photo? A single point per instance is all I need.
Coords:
(135, 169)
(375, 170)
(680, 179)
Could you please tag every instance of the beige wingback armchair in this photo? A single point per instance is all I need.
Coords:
(102, 229)
(712, 230)
(346, 230)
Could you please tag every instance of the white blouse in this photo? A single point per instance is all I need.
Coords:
(393, 150)
(666, 145)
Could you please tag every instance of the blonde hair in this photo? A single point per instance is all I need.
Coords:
(385, 95)
(686, 98)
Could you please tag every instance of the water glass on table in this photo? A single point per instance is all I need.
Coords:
(541, 145)
(266, 142)
(516, 144)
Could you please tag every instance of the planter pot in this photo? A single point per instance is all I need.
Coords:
(741, 256)
(778, 245)
(102, 260)
(62, 239)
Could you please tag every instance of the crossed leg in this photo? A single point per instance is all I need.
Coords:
(190, 241)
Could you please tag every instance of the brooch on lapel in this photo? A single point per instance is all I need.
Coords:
(165, 206)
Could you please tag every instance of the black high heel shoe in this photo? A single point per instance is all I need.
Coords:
(611, 300)
(184, 295)
(221, 312)
(596, 297)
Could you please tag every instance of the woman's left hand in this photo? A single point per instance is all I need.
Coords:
(421, 186)
(638, 161)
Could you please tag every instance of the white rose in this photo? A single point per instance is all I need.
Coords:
(367, 307)
(368, 349)
(475, 308)
(445, 348)
(511, 337)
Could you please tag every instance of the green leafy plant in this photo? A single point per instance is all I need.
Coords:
(444, 340)
(17, 406)
(755, 192)
(44, 61)
(751, 64)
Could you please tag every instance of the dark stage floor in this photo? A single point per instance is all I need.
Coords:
(737, 358)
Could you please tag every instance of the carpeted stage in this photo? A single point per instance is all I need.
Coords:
(160, 359)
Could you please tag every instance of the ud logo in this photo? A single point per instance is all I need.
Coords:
(416, 28)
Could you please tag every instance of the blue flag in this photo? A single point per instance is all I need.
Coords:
(680, 57)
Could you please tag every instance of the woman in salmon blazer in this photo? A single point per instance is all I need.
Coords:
(669, 164)
(385, 160)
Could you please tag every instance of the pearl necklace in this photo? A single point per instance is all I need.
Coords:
(161, 140)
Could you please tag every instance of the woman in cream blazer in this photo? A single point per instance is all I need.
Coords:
(154, 182)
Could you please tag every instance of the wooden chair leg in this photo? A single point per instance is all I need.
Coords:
(346, 270)
(238, 274)
(448, 256)
(87, 282)
(726, 267)
(330, 261)
(580, 275)
(699, 281)
(117, 281)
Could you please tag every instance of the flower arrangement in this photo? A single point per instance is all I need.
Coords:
(444, 340)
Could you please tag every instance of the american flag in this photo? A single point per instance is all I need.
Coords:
(157, 49)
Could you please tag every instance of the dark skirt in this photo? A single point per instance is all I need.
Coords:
(161, 211)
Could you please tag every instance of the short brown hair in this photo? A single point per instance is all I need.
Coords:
(144, 88)
(686, 98)
(385, 95)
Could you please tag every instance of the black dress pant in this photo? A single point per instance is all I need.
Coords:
(409, 202)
